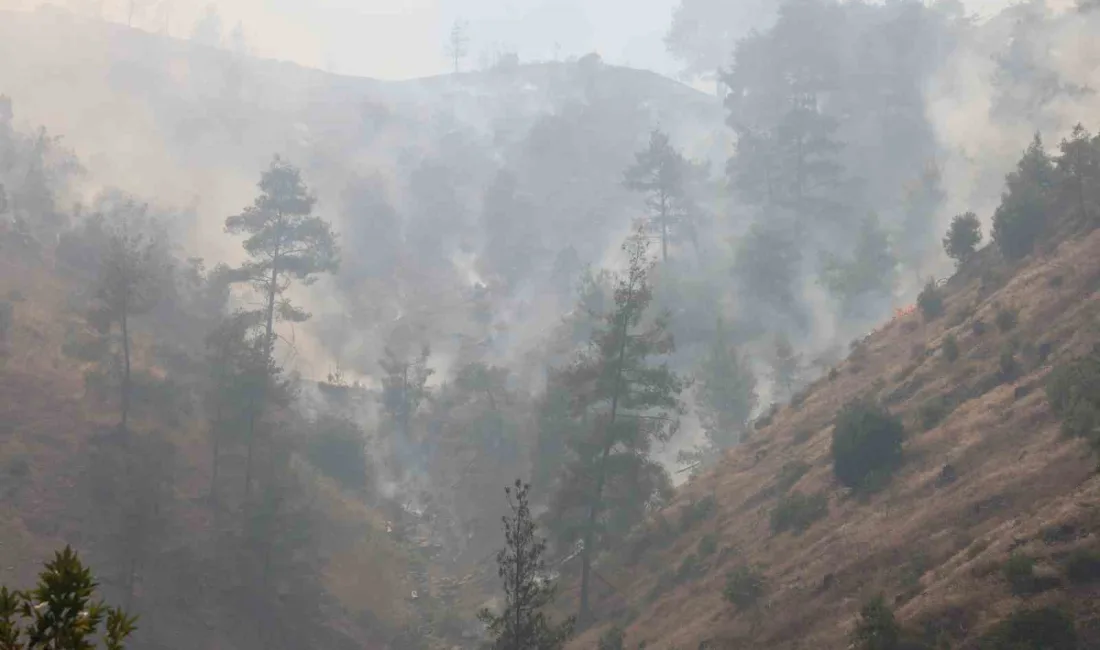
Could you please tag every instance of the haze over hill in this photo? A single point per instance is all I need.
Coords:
(585, 275)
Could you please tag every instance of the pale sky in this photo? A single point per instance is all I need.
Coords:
(400, 39)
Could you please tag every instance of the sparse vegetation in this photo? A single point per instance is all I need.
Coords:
(697, 511)
(790, 474)
(1047, 628)
(797, 512)
(707, 545)
(744, 587)
(933, 411)
(612, 639)
(1007, 318)
(866, 444)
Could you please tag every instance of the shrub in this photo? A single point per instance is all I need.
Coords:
(612, 639)
(797, 512)
(932, 412)
(950, 348)
(698, 511)
(962, 237)
(744, 587)
(1047, 628)
(7, 312)
(707, 545)
(1007, 364)
(1083, 567)
(1073, 390)
(336, 449)
(930, 301)
(1019, 571)
(978, 327)
(690, 568)
(876, 629)
(1006, 319)
(917, 351)
(790, 474)
(866, 442)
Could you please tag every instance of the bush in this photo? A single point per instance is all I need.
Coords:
(744, 587)
(978, 327)
(876, 629)
(1007, 364)
(930, 301)
(7, 317)
(1006, 319)
(1019, 571)
(950, 348)
(698, 511)
(866, 443)
(1073, 390)
(336, 449)
(790, 474)
(707, 545)
(797, 512)
(962, 237)
(1083, 567)
(612, 639)
(932, 412)
(1047, 628)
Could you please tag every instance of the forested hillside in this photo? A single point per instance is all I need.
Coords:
(274, 341)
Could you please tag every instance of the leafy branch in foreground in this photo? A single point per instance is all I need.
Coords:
(59, 614)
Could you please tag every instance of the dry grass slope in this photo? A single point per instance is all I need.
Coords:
(993, 475)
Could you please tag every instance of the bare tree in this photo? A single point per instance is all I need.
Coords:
(458, 44)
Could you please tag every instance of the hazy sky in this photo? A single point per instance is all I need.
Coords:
(396, 39)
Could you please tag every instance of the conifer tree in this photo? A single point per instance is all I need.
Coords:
(626, 401)
(523, 624)
(286, 242)
(725, 391)
(128, 286)
(1079, 168)
(1021, 217)
(663, 175)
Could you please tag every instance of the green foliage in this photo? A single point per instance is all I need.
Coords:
(1021, 217)
(1083, 567)
(876, 629)
(870, 273)
(930, 301)
(1073, 390)
(789, 474)
(950, 348)
(60, 613)
(1006, 318)
(797, 512)
(725, 392)
(335, 446)
(698, 511)
(1046, 628)
(744, 587)
(933, 411)
(708, 544)
(522, 570)
(612, 639)
(1019, 571)
(962, 237)
(866, 443)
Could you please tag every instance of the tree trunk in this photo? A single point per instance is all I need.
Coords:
(268, 346)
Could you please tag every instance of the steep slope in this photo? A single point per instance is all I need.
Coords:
(994, 475)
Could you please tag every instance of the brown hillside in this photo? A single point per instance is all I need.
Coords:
(934, 546)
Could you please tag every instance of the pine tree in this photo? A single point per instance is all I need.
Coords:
(664, 175)
(1079, 170)
(962, 236)
(626, 401)
(128, 286)
(285, 242)
(523, 625)
(1021, 217)
(868, 275)
(404, 386)
(725, 392)
(60, 613)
